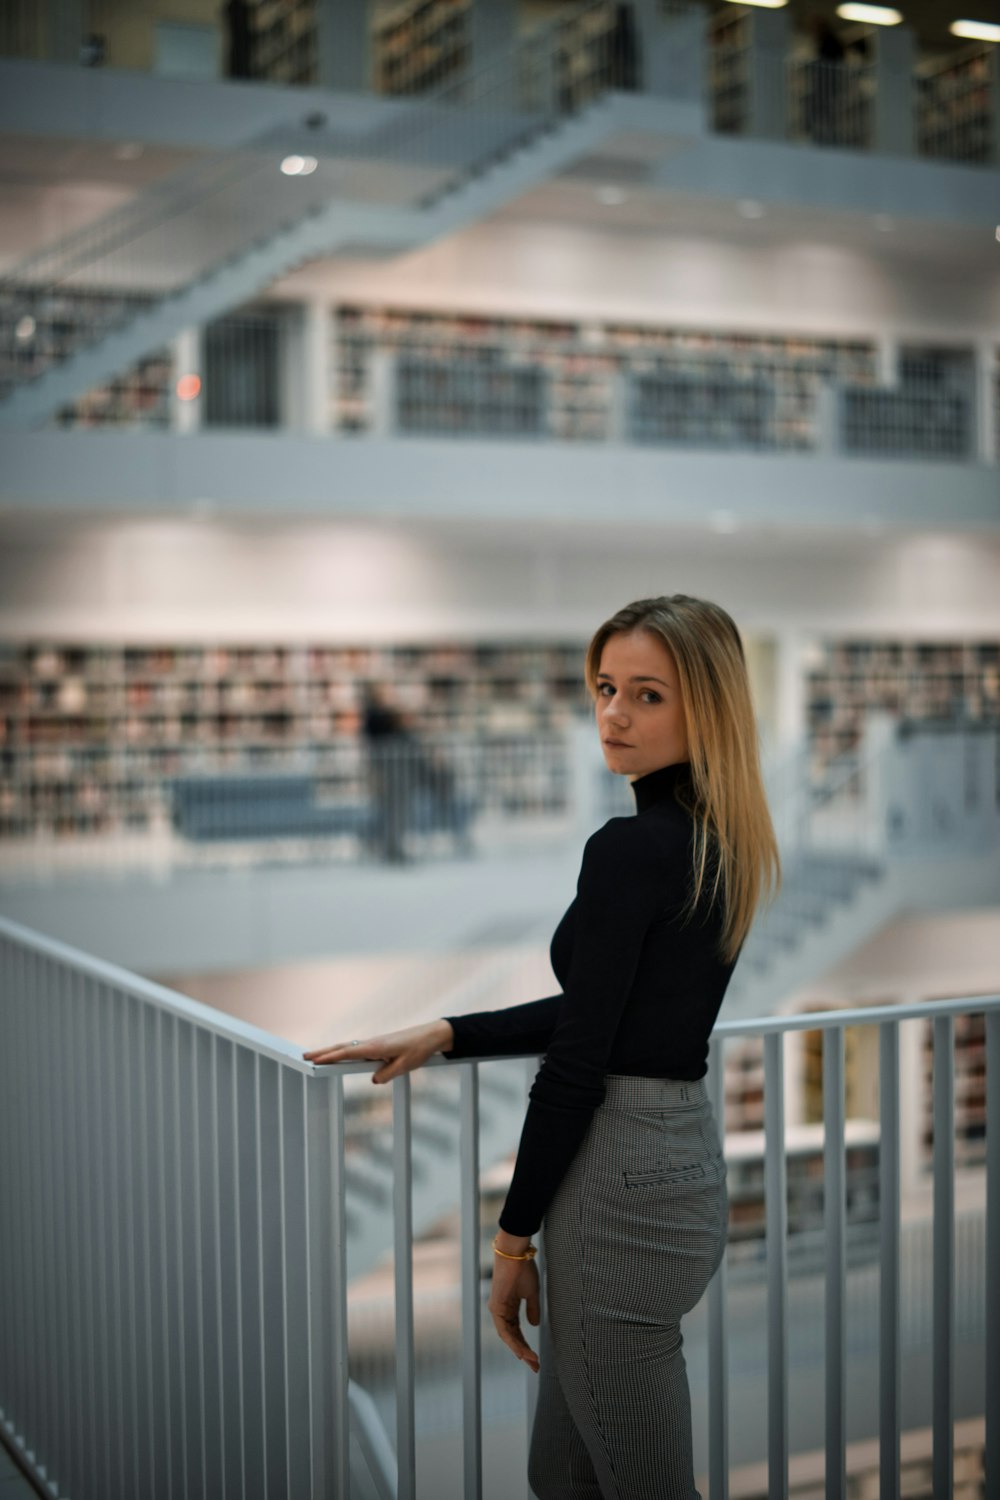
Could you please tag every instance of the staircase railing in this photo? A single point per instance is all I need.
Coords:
(404, 154)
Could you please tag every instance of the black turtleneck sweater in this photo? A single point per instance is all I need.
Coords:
(641, 989)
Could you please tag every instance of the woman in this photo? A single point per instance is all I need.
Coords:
(619, 1152)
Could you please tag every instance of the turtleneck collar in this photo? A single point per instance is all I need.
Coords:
(656, 786)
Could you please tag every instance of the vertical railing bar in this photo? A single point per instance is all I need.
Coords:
(177, 1280)
(776, 1229)
(992, 1467)
(718, 1315)
(30, 1288)
(261, 1330)
(109, 1008)
(99, 1176)
(889, 1325)
(21, 1256)
(46, 1169)
(128, 1076)
(195, 1105)
(82, 1120)
(216, 1191)
(402, 1171)
(944, 1256)
(8, 988)
(163, 1022)
(472, 1410)
(340, 1399)
(240, 1274)
(834, 1213)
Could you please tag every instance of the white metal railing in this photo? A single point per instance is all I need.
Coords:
(173, 1288)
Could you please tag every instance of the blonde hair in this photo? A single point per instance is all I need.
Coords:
(733, 832)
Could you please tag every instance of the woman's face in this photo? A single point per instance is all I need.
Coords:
(640, 715)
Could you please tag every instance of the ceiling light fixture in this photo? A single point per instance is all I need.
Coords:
(875, 15)
(25, 328)
(976, 31)
(765, 4)
(299, 166)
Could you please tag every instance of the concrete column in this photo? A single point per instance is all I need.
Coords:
(789, 708)
(186, 416)
(383, 422)
(316, 368)
(344, 30)
(768, 75)
(672, 52)
(987, 379)
(894, 127)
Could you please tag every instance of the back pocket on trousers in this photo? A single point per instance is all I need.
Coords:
(685, 1172)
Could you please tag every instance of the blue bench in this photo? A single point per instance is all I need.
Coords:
(260, 807)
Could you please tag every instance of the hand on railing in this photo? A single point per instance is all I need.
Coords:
(402, 1051)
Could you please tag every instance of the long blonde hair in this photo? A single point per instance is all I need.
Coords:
(733, 832)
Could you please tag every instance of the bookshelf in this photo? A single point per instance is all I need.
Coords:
(584, 56)
(90, 733)
(920, 681)
(764, 387)
(957, 103)
(970, 1092)
(420, 45)
(42, 328)
(804, 1167)
(925, 423)
(286, 43)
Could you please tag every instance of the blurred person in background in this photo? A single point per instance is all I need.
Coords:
(620, 1154)
(388, 741)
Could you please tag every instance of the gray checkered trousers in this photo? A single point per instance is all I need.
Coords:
(633, 1236)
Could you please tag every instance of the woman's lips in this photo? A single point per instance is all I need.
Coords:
(618, 744)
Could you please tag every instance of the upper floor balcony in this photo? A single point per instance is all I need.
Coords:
(911, 91)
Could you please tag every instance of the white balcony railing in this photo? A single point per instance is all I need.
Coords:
(173, 1249)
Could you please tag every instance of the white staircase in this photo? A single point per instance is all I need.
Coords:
(191, 249)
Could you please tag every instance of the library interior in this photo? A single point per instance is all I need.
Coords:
(357, 361)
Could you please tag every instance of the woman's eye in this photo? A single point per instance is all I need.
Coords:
(653, 697)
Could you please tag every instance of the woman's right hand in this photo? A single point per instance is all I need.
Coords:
(401, 1051)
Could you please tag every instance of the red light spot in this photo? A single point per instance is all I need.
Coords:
(188, 387)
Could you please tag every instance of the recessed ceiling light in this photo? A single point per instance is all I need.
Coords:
(875, 15)
(976, 31)
(884, 222)
(767, 4)
(25, 328)
(299, 166)
(750, 208)
(611, 195)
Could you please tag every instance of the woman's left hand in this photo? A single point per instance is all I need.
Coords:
(514, 1282)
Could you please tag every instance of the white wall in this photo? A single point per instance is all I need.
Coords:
(196, 580)
(804, 283)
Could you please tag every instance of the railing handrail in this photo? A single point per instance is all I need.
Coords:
(275, 1047)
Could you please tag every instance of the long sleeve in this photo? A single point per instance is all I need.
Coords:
(624, 886)
(517, 1029)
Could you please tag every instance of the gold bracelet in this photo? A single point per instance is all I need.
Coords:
(529, 1254)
